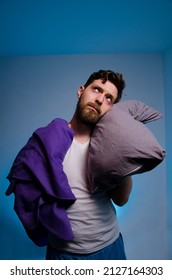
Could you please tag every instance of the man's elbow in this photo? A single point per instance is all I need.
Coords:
(120, 194)
(121, 202)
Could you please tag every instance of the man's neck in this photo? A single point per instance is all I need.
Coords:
(82, 131)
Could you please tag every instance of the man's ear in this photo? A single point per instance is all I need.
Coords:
(80, 91)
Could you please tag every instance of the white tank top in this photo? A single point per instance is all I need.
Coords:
(92, 217)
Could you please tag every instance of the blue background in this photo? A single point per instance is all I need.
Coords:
(47, 51)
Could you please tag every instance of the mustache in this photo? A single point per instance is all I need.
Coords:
(95, 106)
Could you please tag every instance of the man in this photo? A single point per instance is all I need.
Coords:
(48, 177)
(92, 216)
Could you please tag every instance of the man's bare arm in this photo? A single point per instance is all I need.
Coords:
(121, 193)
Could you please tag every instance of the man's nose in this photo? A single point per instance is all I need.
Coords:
(99, 99)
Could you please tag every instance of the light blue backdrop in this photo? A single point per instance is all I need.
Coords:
(33, 91)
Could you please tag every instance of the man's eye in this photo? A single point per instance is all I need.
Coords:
(109, 99)
(96, 89)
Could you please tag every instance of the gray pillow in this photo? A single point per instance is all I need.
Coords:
(122, 145)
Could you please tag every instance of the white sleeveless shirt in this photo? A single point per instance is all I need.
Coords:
(92, 217)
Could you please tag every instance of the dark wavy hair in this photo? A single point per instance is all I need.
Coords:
(108, 75)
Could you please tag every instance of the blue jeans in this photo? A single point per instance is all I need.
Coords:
(115, 251)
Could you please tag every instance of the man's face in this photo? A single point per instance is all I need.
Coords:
(95, 100)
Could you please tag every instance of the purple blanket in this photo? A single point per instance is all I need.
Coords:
(40, 186)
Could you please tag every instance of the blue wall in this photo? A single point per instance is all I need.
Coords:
(33, 91)
(168, 110)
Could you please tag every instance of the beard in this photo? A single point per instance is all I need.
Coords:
(89, 113)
